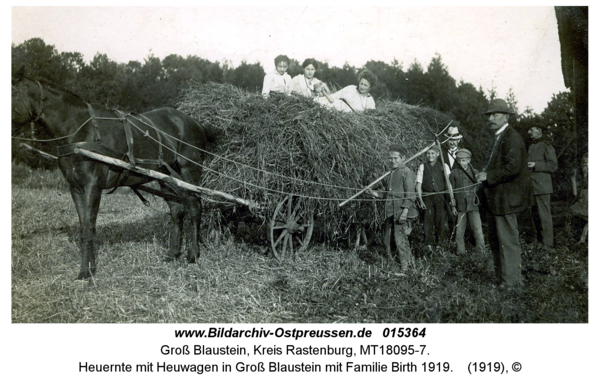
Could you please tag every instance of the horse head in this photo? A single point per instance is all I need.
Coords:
(27, 102)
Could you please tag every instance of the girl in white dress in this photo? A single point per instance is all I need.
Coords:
(356, 98)
(304, 84)
(278, 81)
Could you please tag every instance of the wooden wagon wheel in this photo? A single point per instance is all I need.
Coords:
(291, 227)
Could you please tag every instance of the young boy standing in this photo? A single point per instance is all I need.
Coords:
(400, 211)
(464, 183)
(432, 180)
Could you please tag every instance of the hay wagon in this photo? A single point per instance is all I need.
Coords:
(301, 162)
(291, 164)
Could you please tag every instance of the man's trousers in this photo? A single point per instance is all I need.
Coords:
(475, 223)
(542, 218)
(400, 240)
(435, 221)
(503, 235)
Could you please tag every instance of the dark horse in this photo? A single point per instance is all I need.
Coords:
(39, 109)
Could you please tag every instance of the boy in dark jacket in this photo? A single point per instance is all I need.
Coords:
(464, 184)
(400, 211)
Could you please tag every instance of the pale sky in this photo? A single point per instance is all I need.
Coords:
(501, 47)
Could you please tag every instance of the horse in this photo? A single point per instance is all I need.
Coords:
(163, 140)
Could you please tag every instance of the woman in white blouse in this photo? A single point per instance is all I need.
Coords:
(304, 84)
(356, 98)
(278, 81)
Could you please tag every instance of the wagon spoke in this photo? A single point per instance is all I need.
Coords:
(280, 237)
(285, 239)
(281, 217)
(296, 225)
(296, 210)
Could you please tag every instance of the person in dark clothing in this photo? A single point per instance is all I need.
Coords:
(431, 181)
(400, 211)
(507, 190)
(464, 185)
(542, 162)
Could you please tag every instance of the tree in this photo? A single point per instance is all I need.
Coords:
(389, 79)
(467, 112)
(511, 100)
(44, 62)
(492, 93)
(72, 64)
(248, 76)
(99, 81)
(415, 93)
(440, 87)
(341, 77)
(40, 60)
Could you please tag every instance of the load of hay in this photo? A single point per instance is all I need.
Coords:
(270, 148)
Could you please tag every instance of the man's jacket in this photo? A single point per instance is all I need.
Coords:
(508, 185)
(544, 156)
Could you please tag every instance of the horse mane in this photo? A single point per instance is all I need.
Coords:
(55, 86)
(51, 85)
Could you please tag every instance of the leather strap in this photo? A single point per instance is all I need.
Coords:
(97, 137)
(128, 136)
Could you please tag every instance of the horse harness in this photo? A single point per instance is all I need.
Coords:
(97, 145)
(35, 116)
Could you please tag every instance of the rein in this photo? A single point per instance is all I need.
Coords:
(56, 139)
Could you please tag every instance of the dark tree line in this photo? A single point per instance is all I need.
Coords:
(138, 87)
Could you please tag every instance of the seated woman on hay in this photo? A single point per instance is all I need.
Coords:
(278, 81)
(352, 97)
(307, 85)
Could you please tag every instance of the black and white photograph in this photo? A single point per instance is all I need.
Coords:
(256, 174)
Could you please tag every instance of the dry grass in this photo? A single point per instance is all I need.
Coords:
(234, 282)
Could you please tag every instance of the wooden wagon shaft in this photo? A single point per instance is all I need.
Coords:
(386, 174)
(167, 178)
(42, 153)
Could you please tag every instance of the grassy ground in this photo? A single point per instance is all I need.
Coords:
(234, 281)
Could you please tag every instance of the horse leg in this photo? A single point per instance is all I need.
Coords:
(194, 210)
(194, 204)
(87, 203)
(177, 212)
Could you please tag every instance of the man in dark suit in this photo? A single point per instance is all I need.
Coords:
(507, 190)
(542, 162)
